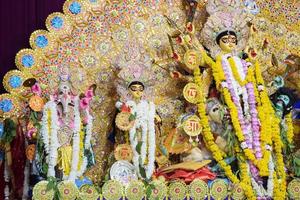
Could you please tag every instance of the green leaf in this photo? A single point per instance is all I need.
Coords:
(142, 171)
(9, 131)
(139, 147)
(148, 192)
(132, 117)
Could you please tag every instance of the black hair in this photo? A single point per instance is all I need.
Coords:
(223, 34)
(136, 83)
(288, 92)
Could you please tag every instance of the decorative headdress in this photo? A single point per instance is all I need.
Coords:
(225, 16)
(135, 66)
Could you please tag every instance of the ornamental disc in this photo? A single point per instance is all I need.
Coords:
(177, 190)
(13, 81)
(88, 192)
(238, 193)
(68, 190)
(192, 126)
(36, 103)
(135, 190)
(198, 189)
(191, 92)
(40, 191)
(112, 189)
(219, 189)
(158, 191)
(123, 121)
(123, 152)
(9, 105)
(294, 189)
(192, 59)
(30, 152)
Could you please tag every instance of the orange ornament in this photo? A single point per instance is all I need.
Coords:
(36, 103)
(30, 151)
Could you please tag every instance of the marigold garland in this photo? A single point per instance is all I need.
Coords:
(236, 74)
(290, 131)
(216, 152)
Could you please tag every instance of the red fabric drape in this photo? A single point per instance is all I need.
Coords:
(18, 19)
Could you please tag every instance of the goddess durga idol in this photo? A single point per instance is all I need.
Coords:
(256, 132)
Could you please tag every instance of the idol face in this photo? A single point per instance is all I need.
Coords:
(136, 90)
(228, 43)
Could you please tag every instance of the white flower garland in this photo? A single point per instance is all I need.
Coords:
(145, 113)
(260, 190)
(89, 128)
(52, 148)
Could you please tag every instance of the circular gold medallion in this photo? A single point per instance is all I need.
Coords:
(123, 121)
(36, 103)
(192, 126)
(123, 152)
(191, 92)
(192, 59)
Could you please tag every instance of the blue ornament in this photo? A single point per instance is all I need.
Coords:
(27, 61)
(41, 41)
(75, 8)
(1, 129)
(57, 22)
(85, 181)
(93, 1)
(15, 81)
(6, 105)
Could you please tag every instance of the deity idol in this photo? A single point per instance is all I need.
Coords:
(137, 118)
(255, 124)
(256, 131)
(66, 132)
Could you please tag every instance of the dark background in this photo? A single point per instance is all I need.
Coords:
(18, 19)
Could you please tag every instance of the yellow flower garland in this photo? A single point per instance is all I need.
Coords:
(236, 74)
(290, 131)
(280, 187)
(216, 152)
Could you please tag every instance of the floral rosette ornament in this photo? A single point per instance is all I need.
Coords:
(177, 190)
(135, 190)
(198, 189)
(40, 191)
(157, 190)
(219, 189)
(125, 119)
(238, 193)
(88, 192)
(294, 189)
(112, 190)
(68, 190)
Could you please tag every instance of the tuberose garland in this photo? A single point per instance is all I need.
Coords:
(145, 113)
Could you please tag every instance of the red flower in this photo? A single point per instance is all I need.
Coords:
(125, 108)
